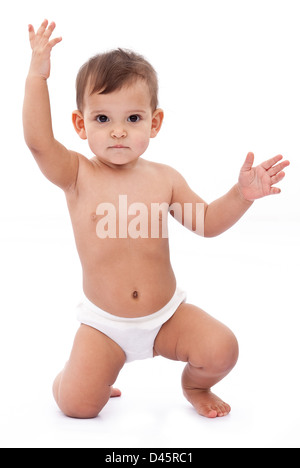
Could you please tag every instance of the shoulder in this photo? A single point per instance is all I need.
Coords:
(172, 178)
(164, 170)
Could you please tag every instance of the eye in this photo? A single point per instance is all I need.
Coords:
(102, 118)
(134, 118)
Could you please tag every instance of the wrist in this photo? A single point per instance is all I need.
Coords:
(34, 77)
(241, 196)
(38, 69)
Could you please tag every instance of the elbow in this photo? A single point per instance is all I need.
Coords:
(210, 234)
(205, 231)
(30, 145)
(209, 230)
(32, 142)
(215, 231)
(37, 149)
(210, 227)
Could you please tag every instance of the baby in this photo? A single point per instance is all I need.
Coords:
(118, 202)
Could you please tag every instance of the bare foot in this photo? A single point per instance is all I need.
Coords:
(115, 392)
(207, 403)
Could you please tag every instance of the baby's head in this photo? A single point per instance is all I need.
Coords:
(117, 106)
(113, 70)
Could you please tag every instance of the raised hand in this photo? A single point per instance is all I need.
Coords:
(41, 48)
(257, 182)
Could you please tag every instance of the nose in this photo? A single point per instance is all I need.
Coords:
(118, 132)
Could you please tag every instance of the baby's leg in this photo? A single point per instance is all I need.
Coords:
(209, 348)
(84, 387)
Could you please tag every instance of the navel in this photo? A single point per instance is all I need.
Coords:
(135, 295)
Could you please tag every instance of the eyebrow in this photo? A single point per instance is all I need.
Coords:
(134, 111)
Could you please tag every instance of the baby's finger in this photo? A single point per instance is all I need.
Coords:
(48, 32)
(248, 162)
(31, 32)
(42, 28)
(55, 41)
(276, 169)
(275, 191)
(271, 162)
(277, 178)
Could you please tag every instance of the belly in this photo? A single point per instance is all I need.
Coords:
(129, 277)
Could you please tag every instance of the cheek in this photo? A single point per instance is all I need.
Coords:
(142, 140)
(142, 144)
(94, 140)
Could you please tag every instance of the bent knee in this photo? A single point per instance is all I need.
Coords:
(78, 406)
(226, 355)
(82, 413)
(220, 355)
(80, 410)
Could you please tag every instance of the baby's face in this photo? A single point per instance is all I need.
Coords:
(118, 125)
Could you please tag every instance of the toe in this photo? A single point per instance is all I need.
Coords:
(212, 414)
(115, 392)
(223, 410)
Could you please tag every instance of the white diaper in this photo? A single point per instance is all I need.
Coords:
(135, 336)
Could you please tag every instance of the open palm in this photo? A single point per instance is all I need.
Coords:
(41, 47)
(257, 182)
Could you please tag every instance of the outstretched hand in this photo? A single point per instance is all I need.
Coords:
(41, 48)
(257, 182)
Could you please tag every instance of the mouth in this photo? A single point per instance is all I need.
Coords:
(118, 147)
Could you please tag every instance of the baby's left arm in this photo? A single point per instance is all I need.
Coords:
(253, 183)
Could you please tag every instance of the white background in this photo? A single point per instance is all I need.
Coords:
(229, 83)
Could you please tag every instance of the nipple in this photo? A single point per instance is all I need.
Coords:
(135, 295)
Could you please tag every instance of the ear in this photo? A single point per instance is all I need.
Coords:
(78, 122)
(157, 120)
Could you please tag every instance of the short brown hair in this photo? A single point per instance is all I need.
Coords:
(110, 71)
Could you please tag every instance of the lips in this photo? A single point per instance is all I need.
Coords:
(119, 147)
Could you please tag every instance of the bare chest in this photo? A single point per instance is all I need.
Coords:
(123, 208)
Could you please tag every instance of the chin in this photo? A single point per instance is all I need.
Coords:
(122, 158)
(119, 160)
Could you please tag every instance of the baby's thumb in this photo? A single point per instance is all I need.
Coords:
(248, 162)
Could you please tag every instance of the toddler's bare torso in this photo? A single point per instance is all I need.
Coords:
(122, 274)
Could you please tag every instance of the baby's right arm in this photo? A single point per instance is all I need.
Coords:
(57, 163)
